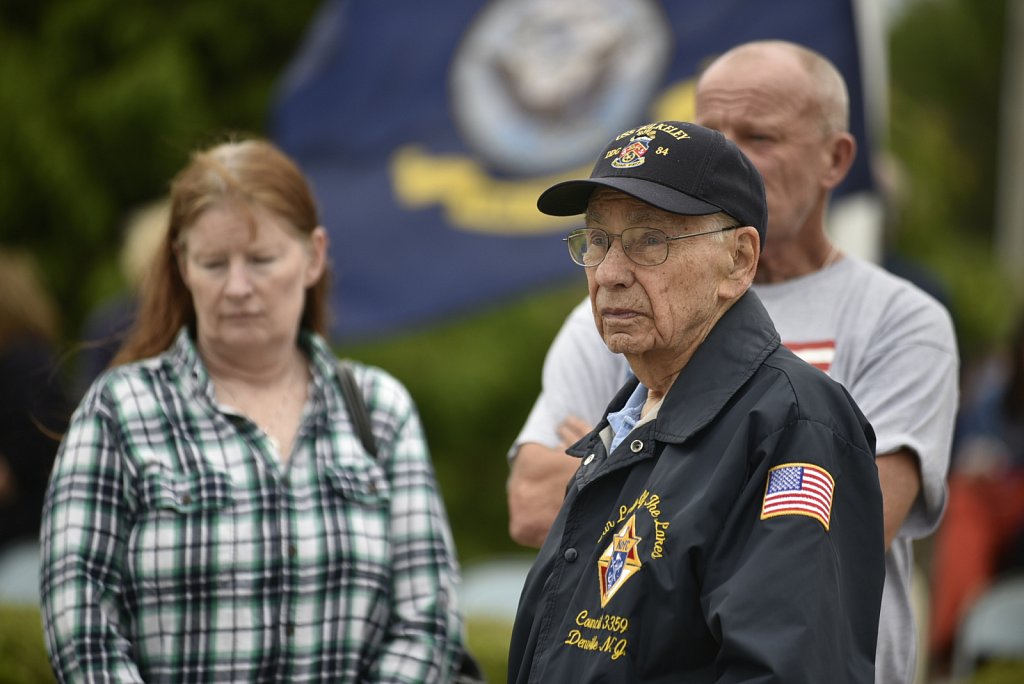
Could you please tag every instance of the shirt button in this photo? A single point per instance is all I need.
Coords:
(636, 446)
(187, 499)
(571, 555)
(292, 550)
(290, 630)
(588, 459)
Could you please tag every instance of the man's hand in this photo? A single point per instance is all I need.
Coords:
(572, 430)
(536, 485)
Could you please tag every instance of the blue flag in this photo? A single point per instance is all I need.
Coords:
(429, 129)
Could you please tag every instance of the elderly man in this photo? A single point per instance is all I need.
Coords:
(891, 345)
(725, 522)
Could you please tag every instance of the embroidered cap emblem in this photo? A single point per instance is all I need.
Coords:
(633, 154)
(620, 561)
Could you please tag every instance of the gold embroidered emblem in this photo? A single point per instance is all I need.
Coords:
(632, 155)
(620, 561)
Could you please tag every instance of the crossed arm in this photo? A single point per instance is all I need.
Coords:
(537, 481)
(539, 475)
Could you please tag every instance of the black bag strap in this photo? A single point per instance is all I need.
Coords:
(356, 407)
(469, 671)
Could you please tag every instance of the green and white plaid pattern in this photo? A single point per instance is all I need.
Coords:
(178, 548)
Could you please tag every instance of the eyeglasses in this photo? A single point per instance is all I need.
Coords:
(644, 246)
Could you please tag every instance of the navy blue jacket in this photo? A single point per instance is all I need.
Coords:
(737, 537)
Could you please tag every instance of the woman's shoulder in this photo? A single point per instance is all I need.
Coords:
(127, 383)
(380, 388)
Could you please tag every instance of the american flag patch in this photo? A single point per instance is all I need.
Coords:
(818, 354)
(799, 489)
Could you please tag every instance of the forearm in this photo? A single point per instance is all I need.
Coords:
(899, 476)
(536, 488)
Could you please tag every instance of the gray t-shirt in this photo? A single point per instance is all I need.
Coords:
(891, 345)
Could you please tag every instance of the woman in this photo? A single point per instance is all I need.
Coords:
(212, 515)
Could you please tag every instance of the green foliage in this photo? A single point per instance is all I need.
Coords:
(946, 62)
(999, 672)
(101, 103)
(488, 641)
(23, 658)
(474, 381)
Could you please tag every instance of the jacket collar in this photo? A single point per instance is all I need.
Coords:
(732, 352)
(730, 355)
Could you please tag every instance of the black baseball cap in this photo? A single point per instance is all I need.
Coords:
(676, 166)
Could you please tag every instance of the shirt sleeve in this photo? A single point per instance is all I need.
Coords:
(793, 596)
(580, 377)
(84, 532)
(909, 390)
(424, 633)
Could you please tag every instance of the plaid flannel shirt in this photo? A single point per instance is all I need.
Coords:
(177, 547)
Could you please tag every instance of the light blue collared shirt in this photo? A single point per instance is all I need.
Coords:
(625, 419)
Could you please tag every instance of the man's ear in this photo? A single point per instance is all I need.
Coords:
(744, 252)
(841, 152)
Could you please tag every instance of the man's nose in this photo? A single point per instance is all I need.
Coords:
(617, 267)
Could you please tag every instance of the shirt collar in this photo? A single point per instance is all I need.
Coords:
(625, 419)
(184, 360)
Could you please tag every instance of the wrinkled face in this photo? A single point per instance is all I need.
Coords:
(764, 107)
(654, 310)
(248, 272)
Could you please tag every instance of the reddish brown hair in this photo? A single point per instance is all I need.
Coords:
(252, 173)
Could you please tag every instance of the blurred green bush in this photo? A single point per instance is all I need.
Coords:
(488, 641)
(946, 140)
(999, 672)
(474, 382)
(23, 658)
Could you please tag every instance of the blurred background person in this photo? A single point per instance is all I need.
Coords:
(982, 534)
(213, 514)
(107, 326)
(34, 408)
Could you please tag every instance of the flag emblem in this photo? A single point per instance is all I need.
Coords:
(798, 489)
(818, 354)
(620, 561)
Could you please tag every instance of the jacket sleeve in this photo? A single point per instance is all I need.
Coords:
(791, 589)
(908, 387)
